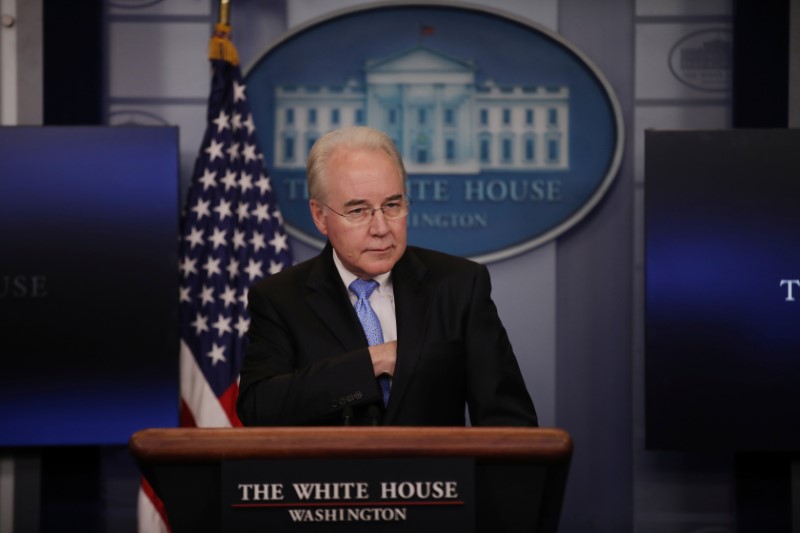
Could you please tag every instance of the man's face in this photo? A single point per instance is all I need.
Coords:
(362, 178)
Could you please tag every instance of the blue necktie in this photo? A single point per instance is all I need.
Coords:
(363, 288)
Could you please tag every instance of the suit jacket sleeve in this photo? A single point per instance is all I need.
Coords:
(294, 372)
(496, 392)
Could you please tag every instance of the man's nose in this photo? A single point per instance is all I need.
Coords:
(377, 224)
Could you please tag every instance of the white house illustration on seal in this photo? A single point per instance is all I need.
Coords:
(442, 121)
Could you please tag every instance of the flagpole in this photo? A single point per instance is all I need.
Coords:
(220, 46)
(225, 12)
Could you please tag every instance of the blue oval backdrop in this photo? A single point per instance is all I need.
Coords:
(509, 134)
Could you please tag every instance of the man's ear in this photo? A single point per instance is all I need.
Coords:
(318, 214)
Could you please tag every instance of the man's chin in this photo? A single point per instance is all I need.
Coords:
(379, 263)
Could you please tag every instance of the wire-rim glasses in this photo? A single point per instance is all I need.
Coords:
(392, 210)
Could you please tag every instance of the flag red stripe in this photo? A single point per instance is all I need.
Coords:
(156, 501)
(185, 416)
(228, 402)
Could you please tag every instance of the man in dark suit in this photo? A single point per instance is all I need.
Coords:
(421, 344)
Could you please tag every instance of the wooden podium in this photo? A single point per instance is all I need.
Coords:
(519, 473)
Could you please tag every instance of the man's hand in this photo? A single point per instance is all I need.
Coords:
(383, 358)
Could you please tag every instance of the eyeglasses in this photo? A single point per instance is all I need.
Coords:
(361, 215)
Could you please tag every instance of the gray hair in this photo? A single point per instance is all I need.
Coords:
(351, 137)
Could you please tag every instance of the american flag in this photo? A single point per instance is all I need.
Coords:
(232, 236)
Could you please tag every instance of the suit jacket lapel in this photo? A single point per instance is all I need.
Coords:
(411, 309)
(328, 298)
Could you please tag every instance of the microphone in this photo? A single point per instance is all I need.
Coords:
(372, 413)
(347, 416)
